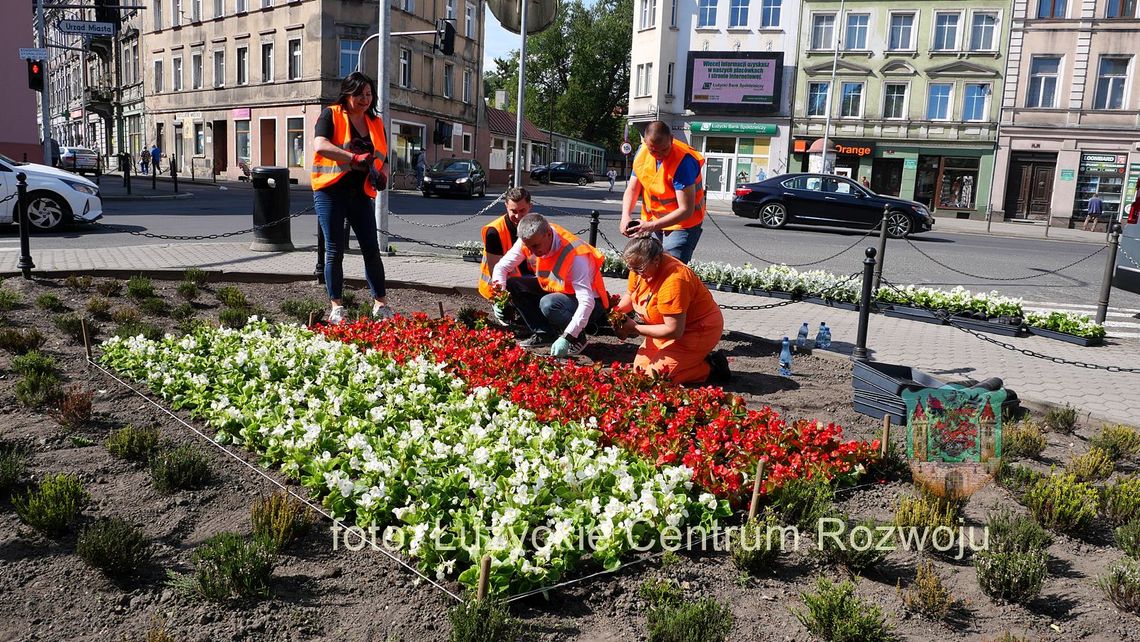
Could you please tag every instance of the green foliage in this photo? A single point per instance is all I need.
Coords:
(471, 317)
(854, 550)
(154, 306)
(38, 389)
(1011, 576)
(802, 502)
(53, 505)
(1062, 419)
(109, 288)
(181, 468)
(19, 341)
(1018, 478)
(9, 300)
(1009, 531)
(300, 309)
(926, 511)
(1118, 441)
(231, 297)
(34, 361)
(13, 463)
(835, 613)
(75, 408)
(228, 566)
(50, 302)
(99, 308)
(1023, 439)
(1120, 500)
(703, 620)
(759, 544)
(235, 318)
(188, 290)
(126, 315)
(196, 276)
(114, 546)
(77, 283)
(1127, 538)
(1122, 585)
(279, 519)
(72, 326)
(927, 594)
(135, 328)
(183, 311)
(1093, 465)
(1063, 503)
(483, 621)
(661, 592)
(140, 287)
(133, 443)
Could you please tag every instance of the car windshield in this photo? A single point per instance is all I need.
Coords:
(10, 161)
(80, 150)
(452, 165)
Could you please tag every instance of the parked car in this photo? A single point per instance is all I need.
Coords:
(463, 176)
(79, 160)
(561, 172)
(827, 199)
(54, 196)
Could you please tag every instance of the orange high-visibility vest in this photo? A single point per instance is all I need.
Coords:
(658, 196)
(327, 171)
(497, 226)
(553, 270)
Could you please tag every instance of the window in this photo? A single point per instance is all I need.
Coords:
(817, 99)
(644, 79)
(241, 140)
(447, 87)
(669, 78)
(467, 76)
(175, 13)
(1120, 9)
(738, 13)
(673, 14)
(158, 80)
(1051, 8)
(469, 22)
(983, 32)
(220, 68)
(946, 31)
(265, 4)
(196, 71)
(1043, 73)
(467, 142)
(295, 59)
(176, 73)
(648, 14)
(158, 15)
(243, 66)
(770, 13)
(852, 105)
(450, 10)
(429, 75)
(975, 104)
(267, 62)
(405, 78)
(295, 139)
(219, 8)
(136, 64)
(902, 32)
(195, 10)
(128, 73)
(938, 103)
(1110, 79)
(706, 13)
(199, 139)
(894, 100)
(349, 54)
(241, 6)
(857, 31)
(409, 6)
(822, 30)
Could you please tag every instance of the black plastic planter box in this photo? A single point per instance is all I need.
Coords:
(1004, 329)
(1064, 336)
(914, 314)
(890, 379)
(842, 305)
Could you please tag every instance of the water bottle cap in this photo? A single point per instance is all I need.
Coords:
(785, 338)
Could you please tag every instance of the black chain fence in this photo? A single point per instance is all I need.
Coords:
(199, 237)
(1004, 278)
(795, 265)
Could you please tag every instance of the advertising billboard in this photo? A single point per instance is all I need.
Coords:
(734, 82)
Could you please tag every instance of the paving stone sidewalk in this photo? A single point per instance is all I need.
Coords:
(934, 349)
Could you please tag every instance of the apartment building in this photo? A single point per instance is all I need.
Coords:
(722, 74)
(19, 134)
(1070, 124)
(233, 84)
(912, 108)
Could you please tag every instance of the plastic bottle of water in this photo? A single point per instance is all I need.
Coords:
(801, 338)
(786, 358)
(823, 337)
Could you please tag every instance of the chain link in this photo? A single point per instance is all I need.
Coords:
(558, 210)
(452, 223)
(9, 197)
(859, 240)
(1002, 278)
(201, 237)
(826, 295)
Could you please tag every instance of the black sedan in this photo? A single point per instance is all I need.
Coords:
(461, 176)
(560, 172)
(827, 199)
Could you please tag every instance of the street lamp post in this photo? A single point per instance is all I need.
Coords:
(831, 89)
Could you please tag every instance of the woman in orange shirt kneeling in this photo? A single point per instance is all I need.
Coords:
(678, 317)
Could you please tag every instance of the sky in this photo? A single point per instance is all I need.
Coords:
(499, 42)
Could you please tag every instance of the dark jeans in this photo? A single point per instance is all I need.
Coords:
(680, 243)
(320, 269)
(547, 312)
(334, 207)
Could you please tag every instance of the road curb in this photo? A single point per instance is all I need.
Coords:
(158, 197)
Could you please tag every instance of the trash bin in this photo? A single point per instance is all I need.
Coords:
(271, 203)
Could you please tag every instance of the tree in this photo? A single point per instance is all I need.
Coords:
(577, 72)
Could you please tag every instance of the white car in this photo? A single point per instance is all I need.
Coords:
(54, 196)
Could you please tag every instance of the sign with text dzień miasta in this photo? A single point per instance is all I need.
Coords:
(734, 82)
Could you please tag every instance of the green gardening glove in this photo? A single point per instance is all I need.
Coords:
(561, 348)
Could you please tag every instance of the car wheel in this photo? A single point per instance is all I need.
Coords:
(898, 225)
(427, 194)
(582, 182)
(45, 211)
(545, 180)
(471, 191)
(773, 215)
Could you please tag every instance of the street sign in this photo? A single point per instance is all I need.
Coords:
(87, 28)
(626, 148)
(33, 53)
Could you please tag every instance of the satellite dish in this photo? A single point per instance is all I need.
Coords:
(540, 14)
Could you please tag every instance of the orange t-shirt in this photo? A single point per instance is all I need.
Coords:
(674, 290)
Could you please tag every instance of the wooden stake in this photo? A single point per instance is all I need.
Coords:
(440, 303)
(756, 484)
(312, 317)
(883, 447)
(484, 577)
(86, 336)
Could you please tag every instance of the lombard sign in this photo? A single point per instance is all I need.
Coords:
(734, 82)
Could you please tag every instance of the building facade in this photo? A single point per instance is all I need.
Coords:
(722, 74)
(1070, 124)
(19, 133)
(913, 110)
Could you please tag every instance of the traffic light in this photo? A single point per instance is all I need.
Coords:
(36, 75)
(445, 36)
(107, 11)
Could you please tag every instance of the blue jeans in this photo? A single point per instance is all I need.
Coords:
(546, 312)
(680, 243)
(334, 206)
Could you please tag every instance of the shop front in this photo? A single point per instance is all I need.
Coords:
(736, 153)
(1100, 174)
(852, 157)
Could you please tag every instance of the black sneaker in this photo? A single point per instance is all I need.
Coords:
(536, 341)
(577, 345)
(718, 367)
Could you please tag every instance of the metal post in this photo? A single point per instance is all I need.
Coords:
(860, 351)
(127, 171)
(25, 263)
(594, 227)
(520, 108)
(882, 248)
(1109, 268)
(174, 173)
(153, 174)
(380, 204)
(831, 88)
(45, 113)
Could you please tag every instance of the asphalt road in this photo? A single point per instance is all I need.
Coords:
(727, 238)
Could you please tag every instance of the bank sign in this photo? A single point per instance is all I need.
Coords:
(734, 82)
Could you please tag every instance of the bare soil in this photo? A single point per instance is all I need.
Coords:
(48, 593)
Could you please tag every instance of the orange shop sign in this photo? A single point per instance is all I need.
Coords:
(860, 150)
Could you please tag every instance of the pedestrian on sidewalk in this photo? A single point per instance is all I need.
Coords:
(155, 159)
(350, 149)
(612, 175)
(144, 161)
(421, 168)
(676, 314)
(1096, 207)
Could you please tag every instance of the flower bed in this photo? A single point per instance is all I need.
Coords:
(456, 471)
(706, 429)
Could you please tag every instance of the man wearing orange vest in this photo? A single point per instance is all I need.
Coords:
(566, 292)
(499, 236)
(667, 179)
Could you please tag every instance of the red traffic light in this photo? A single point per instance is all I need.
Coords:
(36, 75)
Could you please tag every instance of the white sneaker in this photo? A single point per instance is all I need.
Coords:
(337, 314)
(382, 311)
